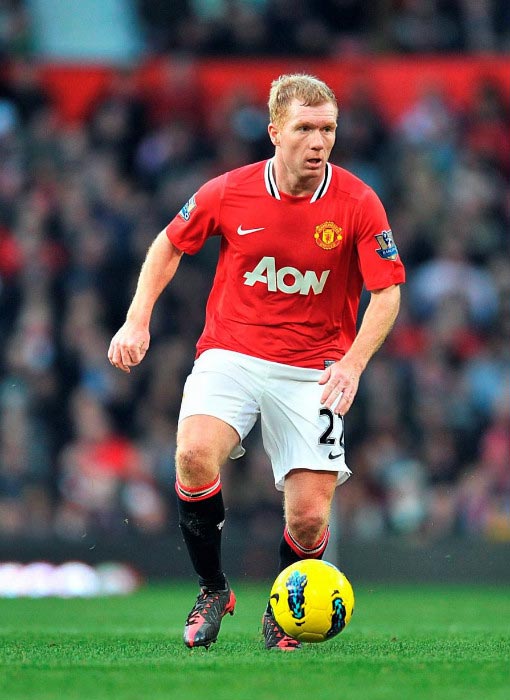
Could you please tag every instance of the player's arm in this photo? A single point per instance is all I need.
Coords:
(342, 378)
(131, 342)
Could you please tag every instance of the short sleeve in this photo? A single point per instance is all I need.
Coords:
(198, 219)
(379, 260)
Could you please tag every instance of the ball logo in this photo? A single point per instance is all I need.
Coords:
(328, 235)
(296, 584)
(338, 616)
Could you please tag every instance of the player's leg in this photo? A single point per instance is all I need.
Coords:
(307, 501)
(203, 445)
(218, 410)
(305, 443)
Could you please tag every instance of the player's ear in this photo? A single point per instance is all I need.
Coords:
(274, 134)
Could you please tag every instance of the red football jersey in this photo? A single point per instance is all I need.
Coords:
(290, 269)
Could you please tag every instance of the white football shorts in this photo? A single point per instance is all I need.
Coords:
(297, 432)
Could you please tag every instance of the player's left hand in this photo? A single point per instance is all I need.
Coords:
(341, 381)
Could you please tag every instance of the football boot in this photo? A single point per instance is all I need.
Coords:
(204, 620)
(274, 636)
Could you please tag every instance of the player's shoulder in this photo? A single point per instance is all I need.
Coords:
(246, 174)
(343, 181)
(234, 180)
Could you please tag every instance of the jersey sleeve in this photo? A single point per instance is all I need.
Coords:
(379, 260)
(198, 219)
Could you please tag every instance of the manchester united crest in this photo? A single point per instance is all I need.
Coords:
(328, 235)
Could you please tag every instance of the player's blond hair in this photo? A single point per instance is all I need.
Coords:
(307, 88)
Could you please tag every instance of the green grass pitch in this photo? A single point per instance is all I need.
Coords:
(411, 643)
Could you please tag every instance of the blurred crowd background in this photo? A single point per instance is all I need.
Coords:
(85, 448)
(325, 27)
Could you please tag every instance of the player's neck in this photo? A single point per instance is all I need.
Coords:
(295, 185)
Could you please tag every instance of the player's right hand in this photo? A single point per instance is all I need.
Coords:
(128, 347)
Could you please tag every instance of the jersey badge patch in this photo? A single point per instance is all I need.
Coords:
(185, 212)
(388, 250)
(328, 235)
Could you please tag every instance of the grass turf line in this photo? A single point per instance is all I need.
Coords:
(403, 643)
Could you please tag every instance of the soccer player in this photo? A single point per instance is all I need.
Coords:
(299, 239)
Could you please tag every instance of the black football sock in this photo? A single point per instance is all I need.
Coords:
(287, 555)
(201, 518)
(291, 551)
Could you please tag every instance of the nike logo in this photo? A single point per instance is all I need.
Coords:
(243, 231)
(332, 456)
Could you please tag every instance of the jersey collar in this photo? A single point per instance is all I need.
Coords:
(273, 189)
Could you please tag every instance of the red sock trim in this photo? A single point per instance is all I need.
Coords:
(307, 552)
(200, 493)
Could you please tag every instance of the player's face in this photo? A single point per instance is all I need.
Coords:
(303, 144)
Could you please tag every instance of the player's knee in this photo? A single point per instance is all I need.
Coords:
(195, 464)
(307, 527)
